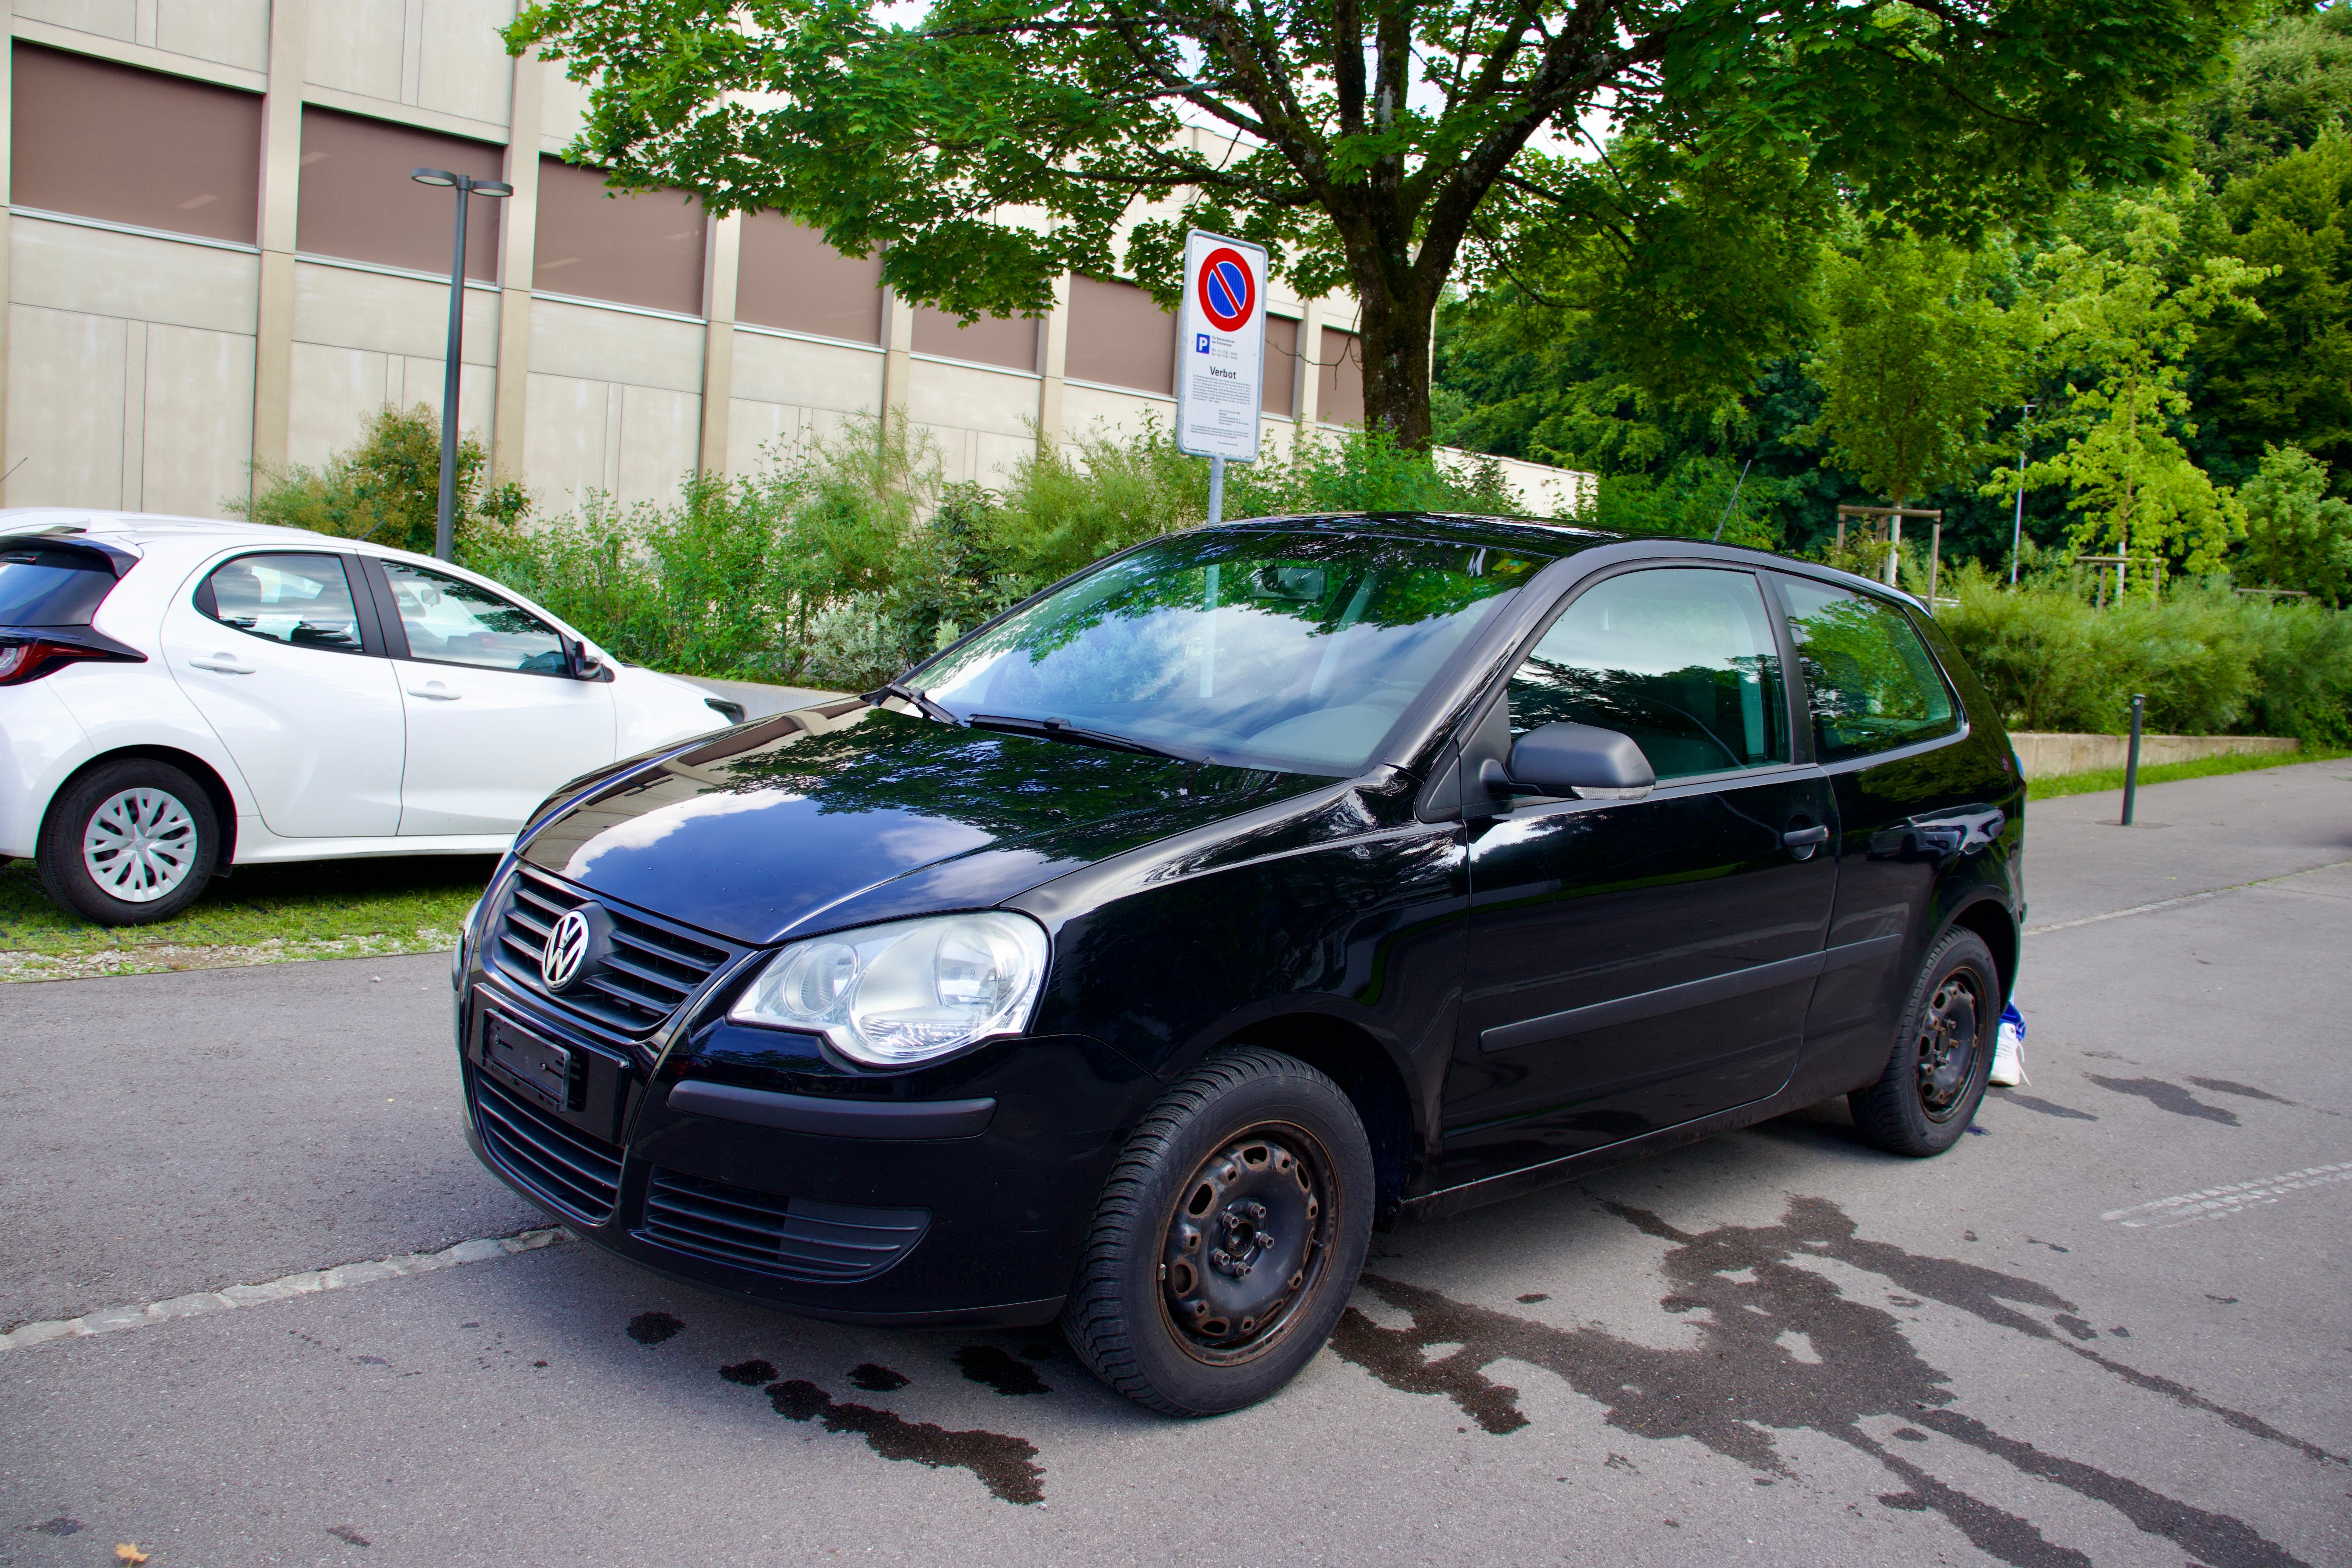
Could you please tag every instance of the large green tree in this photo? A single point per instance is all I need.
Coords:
(1377, 145)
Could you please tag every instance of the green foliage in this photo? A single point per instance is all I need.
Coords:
(2297, 536)
(386, 489)
(2208, 661)
(842, 561)
(1912, 358)
(999, 143)
(2290, 81)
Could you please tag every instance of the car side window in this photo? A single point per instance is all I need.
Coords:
(300, 600)
(1682, 659)
(1872, 684)
(449, 621)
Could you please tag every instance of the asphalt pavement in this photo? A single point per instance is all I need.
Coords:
(2110, 1328)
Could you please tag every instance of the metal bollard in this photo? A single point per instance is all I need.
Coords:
(2131, 758)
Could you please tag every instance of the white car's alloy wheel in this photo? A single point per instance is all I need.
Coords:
(139, 845)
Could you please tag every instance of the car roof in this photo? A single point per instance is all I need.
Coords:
(137, 528)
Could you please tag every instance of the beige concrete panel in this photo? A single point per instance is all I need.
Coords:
(956, 396)
(810, 375)
(953, 447)
(233, 32)
(995, 458)
(1087, 410)
(477, 393)
(346, 308)
(756, 431)
(583, 342)
(199, 420)
(563, 111)
(355, 44)
(107, 18)
(64, 406)
(335, 390)
(464, 67)
(563, 441)
(661, 436)
(65, 267)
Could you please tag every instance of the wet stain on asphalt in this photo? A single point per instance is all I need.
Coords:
(61, 1525)
(653, 1328)
(2167, 1097)
(348, 1536)
(749, 1374)
(2047, 1108)
(1006, 1466)
(1741, 1381)
(875, 1379)
(1532, 1297)
(987, 1365)
(2242, 1090)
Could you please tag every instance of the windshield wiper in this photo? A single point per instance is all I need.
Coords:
(1063, 730)
(922, 700)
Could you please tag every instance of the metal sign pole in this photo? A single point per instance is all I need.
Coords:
(1216, 491)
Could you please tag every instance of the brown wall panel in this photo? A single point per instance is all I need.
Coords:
(638, 250)
(1008, 341)
(357, 201)
(1119, 337)
(1340, 398)
(110, 141)
(1280, 392)
(791, 277)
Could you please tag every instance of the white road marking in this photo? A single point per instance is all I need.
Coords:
(342, 1278)
(2219, 1203)
(2184, 898)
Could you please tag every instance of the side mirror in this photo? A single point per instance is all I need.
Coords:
(1578, 760)
(580, 664)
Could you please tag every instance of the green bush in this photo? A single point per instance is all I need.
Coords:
(386, 489)
(2208, 661)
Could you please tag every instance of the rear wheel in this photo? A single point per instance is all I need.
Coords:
(1227, 1237)
(129, 843)
(1942, 1053)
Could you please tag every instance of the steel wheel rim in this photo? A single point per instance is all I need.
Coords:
(1950, 1045)
(1266, 1204)
(139, 845)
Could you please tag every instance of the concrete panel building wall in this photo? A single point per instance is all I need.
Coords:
(215, 259)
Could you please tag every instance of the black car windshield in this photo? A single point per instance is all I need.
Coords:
(1290, 651)
(43, 585)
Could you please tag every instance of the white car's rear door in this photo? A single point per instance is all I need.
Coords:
(494, 720)
(270, 647)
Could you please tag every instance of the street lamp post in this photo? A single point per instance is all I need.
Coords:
(445, 526)
(2017, 530)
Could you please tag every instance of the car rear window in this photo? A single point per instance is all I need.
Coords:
(46, 584)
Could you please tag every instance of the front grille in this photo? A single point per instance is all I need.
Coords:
(575, 1173)
(650, 972)
(791, 1237)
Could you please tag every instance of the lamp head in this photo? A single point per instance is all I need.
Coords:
(433, 176)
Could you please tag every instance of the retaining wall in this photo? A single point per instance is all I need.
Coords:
(2042, 754)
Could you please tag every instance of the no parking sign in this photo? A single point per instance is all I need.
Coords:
(1221, 356)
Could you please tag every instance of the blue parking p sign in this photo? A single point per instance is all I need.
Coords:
(1200, 343)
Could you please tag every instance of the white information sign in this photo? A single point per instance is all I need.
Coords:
(1220, 352)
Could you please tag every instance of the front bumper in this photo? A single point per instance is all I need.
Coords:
(970, 1228)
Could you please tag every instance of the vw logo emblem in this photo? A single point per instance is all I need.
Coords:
(565, 956)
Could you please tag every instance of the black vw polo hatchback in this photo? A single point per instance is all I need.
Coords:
(1132, 959)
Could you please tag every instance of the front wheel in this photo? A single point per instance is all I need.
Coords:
(1227, 1237)
(1942, 1053)
(129, 843)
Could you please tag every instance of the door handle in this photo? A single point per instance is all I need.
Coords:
(435, 691)
(1804, 839)
(225, 664)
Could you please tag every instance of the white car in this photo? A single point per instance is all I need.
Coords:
(178, 696)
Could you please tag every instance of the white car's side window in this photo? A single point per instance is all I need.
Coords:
(453, 622)
(300, 600)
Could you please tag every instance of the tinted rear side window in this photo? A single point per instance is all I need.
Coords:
(45, 585)
(1872, 684)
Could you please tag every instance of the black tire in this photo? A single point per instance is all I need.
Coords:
(1249, 1130)
(179, 860)
(1935, 1076)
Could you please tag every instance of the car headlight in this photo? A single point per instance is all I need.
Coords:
(906, 991)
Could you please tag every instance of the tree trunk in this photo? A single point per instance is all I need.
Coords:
(1397, 334)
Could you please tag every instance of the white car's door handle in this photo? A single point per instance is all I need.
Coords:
(435, 691)
(225, 664)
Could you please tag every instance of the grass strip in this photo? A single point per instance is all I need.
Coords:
(2099, 779)
(261, 914)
